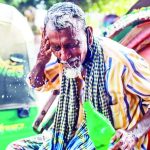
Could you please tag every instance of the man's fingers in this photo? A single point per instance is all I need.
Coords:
(47, 45)
(124, 146)
(46, 38)
(117, 145)
(117, 136)
(123, 140)
(48, 52)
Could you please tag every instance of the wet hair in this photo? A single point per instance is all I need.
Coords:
(61, 16)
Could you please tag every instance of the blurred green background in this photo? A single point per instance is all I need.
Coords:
(118, 7)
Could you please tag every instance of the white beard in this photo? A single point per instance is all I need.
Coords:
(73, 72)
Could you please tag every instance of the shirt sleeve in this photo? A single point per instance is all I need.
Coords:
(139, 82)
(52, 78)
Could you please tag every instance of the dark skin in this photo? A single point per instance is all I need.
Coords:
(64, 44)
(37, 76)
(70, 43)
(126, 139)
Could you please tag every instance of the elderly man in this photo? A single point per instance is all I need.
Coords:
(116, 79)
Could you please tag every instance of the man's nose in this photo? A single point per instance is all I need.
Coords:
(65, 55)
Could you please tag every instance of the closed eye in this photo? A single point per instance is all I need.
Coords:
(55, 48)
(72, 45)
(66, 46)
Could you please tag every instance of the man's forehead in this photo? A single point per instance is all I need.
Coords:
(72, 32)
(63, 36)
(73, 24)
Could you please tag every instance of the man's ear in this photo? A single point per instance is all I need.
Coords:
(89, 32)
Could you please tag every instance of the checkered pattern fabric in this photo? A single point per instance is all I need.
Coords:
(68, 106)
(95, 84)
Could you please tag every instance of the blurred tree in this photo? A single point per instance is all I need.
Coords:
(118, 7)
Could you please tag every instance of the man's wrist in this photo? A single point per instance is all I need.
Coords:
(137, 131)
(134, 136)
(143, 126)
(41, 63)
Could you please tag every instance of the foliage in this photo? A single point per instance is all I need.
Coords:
(118, 7)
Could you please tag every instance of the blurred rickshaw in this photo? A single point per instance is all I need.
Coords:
(17, 101)
(132, 30)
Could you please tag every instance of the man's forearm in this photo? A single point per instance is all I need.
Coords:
(142, 127)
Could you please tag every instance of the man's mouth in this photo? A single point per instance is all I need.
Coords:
(71, 63)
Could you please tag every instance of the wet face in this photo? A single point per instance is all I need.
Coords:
(68, 45)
